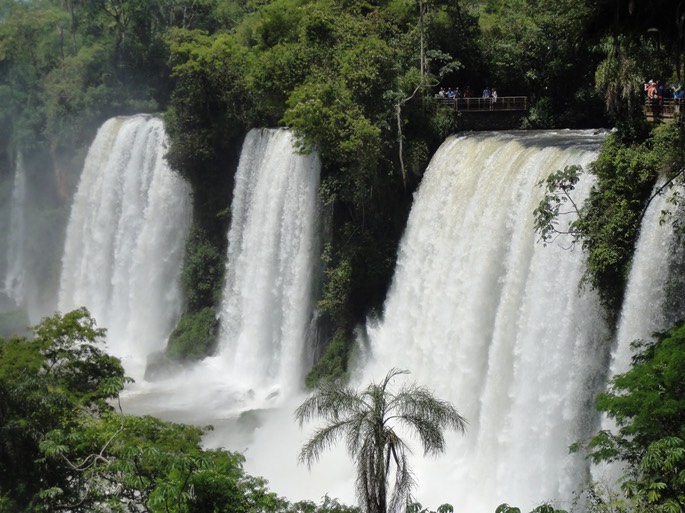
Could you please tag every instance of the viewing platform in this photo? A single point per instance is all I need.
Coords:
(503, 103)
(663, 110)
(506, 113)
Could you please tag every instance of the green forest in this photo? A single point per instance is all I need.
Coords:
(356, 81)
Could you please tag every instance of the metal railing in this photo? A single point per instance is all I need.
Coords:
(666, 108)
(503, 103)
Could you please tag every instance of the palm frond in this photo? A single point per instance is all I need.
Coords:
(416, 401)
(322, 439)
(404, 486)
(330, 401)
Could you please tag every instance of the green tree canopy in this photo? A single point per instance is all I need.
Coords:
(648, 405)
(63, 446)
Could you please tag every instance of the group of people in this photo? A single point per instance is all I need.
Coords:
(467, 93)
(657, 91)
(662, 101)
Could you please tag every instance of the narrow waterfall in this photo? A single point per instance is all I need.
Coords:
(655, 294)
(272, 253)
(493, 321)
(125, 239)
(13, 285)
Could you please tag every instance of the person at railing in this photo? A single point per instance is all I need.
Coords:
(450, 93)
(468, 93)
(656, 92)
(650, 90)
(660, 91)
(678, 92)
(494, 96)
(486, 92)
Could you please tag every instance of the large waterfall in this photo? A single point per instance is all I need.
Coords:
(125, 239)
(492, 320)
(479, 311)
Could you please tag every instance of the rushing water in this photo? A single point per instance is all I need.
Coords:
(14, 282)
(479, 311)
(125, 239)
(493, 321)
(654, 297)
(655, 293)
(272, 253)
(268, 300)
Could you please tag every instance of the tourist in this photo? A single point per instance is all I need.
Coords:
(486, 92)
(650, 89)
(494, 95)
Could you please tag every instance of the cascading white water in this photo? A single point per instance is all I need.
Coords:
(648, 306)
(272, 253)
(478, 311)
(494, 322)
(273, 247)
(125, 239)
(14, 282)
(654, 298)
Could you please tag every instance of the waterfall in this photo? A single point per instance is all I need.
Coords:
(272, 253)
(267, 305)
(14, 281)
(490, 319)
(655, 295)
(125, 239)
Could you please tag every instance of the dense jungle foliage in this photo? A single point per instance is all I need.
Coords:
(64, 447)
(355, 80)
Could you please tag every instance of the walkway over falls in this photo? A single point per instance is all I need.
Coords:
(663, 110)
(503, 103)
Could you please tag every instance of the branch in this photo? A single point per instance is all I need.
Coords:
(658, 192)
(398, 112)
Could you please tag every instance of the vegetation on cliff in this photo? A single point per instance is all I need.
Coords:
(355, 80)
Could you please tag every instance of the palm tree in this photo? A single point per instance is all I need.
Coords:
(368, 420)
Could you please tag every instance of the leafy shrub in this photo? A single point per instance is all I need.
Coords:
(194, 337)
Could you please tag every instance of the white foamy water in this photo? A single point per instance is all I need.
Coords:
(15, 272)
(649, 305)
(479, 312)
(273, 247)
(654, 298)
(125, 239)
(272, 252)
(494, 322)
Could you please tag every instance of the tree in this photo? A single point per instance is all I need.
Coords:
(607, 222)
(647, 403)
(368, 420)
(48, 385)
(64, 447)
